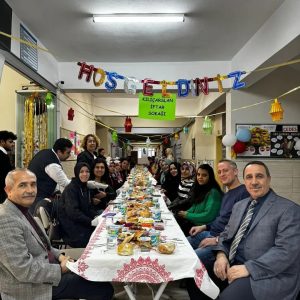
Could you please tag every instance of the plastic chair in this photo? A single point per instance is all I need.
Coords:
(47, 222)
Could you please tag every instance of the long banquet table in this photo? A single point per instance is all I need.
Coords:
(97, 263)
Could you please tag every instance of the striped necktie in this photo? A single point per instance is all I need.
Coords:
(240, 233)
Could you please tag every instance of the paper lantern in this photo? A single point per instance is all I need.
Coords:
(207, 125)
(243, 135)
(166, 141)
(276, 111)
(176, 136)
(148, 142)
(239, 147)
(49, 99)
(128, 124)
(229, 140)
(114, 136)
(185, 130)
(71, 114)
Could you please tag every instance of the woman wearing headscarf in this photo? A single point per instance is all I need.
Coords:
(205, 196)
(172, 180)
(101, 197)
(182, 202)
(75, 209)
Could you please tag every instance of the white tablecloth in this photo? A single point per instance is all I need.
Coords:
(99, 264)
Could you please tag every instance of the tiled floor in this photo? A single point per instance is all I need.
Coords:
(172, 292)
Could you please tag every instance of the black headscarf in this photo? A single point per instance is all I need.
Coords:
(200, 191)
(77, 169)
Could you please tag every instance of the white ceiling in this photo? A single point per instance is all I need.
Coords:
(213, 30)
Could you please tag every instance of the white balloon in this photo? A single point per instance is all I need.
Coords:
(229, 140)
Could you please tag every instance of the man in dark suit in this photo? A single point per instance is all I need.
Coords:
(30, 268)
(258, 252)
(7, 139)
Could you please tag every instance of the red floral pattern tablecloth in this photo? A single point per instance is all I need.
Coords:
(99, 264)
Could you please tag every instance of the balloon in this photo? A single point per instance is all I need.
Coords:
(192, 87)
(130, 85)
(164, 84)
(220, 85)
(228, 140)
(102, 79)
(183, 87)
(239, 147)
(111, 76)
(237, 75)
(147, 88)
(243, 134)
(85, 69)
(202, 84)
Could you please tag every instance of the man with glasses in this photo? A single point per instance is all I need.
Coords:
(46, 165)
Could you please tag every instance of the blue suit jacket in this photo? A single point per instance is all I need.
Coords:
(272, 247)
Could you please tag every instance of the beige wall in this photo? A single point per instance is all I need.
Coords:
(83, 122)
(105, 139)
(10, 82)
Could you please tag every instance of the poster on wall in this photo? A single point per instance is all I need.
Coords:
(271, 141)
(28, 54)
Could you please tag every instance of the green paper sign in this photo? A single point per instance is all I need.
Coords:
(157, 107)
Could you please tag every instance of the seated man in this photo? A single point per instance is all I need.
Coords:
(29, 267)
(258, 252)
(203, 238)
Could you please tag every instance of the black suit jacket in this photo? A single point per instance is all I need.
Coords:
(5, 167)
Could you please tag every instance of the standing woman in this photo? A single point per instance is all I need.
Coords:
(206, 197)
(100, 197)
(90, 143)
(172, 180)
(75, 209)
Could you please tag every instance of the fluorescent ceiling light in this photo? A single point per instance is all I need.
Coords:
(138, 18)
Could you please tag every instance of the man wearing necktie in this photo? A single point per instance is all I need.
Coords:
(30, 268)
(258, 252)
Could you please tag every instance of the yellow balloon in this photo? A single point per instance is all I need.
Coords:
(102, 79)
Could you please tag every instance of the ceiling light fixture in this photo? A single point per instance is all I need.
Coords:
(138, 18)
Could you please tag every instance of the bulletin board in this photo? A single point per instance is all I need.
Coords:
(75, 137)
(271, 141)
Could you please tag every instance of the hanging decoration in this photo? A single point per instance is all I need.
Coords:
(184, 86)
(229, 140)
(148, 142)
(243, 135)
(49, 98)
(166, 140)
(185, 130)
(71, 114)
(114, 136)
(239, 147)
(176, 136)
(276, 111)
(207, 125)
(35, 127)
(130, 85)
(128, 124)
